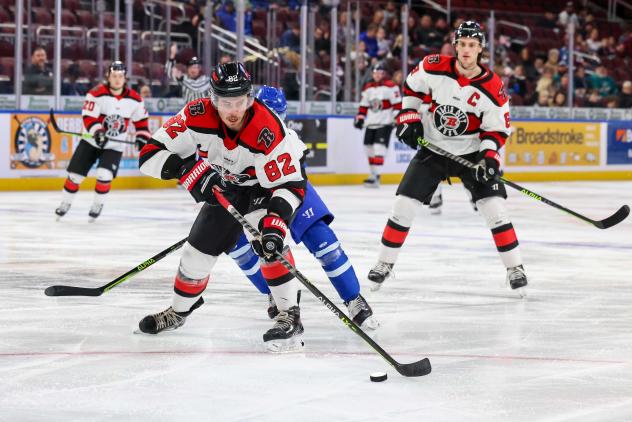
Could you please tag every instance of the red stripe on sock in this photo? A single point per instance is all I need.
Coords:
(102, 187)
(371, 160)
(273, 270)
(505, 238)
(378, 160)
(394, 236)
(71, 186)
(192, 287)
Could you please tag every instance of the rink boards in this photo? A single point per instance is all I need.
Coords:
(34, 157)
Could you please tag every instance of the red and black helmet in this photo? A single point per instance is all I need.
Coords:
(231, 80)
(469, 29)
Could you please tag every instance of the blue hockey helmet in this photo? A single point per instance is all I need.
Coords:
(274, 98)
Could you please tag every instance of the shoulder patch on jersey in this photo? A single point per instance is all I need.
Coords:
(438, 64)
(263, 130)
(201, 116)
(99, 91)
(493, 88)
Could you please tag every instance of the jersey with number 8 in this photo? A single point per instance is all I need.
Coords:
(263, 152)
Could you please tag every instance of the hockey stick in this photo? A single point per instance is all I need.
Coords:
(415, 369)
(608, 222)
(53, 122)
(98, 291)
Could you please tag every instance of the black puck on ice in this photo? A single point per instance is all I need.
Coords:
(378, 376)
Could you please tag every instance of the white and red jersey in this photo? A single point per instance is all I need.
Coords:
(380, 103)
(263, 152)
(464, 115)
(113, 114)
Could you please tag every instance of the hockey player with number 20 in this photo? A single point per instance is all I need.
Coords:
(234, 143)
(468, 116)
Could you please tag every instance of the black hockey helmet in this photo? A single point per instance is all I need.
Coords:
(379, 66)
(469, 29)
(194, 60)
(231, 80)
(116, 66)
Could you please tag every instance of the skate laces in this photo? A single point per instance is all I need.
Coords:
(516, 273)
(356, 306)
(167, 318)
(383, 268)
(284, 321)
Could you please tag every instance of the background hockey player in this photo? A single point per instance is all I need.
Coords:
(468, 116)
(310, 226)
(245, 150)
(107, 112)
(380, 101)
(195, 84)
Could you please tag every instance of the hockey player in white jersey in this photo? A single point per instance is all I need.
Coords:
(468, 116)
(380, 102)
(233, 142)
(107, 112)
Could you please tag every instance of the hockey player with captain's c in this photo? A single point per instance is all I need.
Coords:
(106, 113)
(468, 116)
(243, 143)
(310, 226)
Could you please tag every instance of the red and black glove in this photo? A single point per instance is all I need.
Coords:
(199, 178)
(358, 122)
(487, 167)
(99, 138)
(409, 128)
(140, 142)
(273, 229)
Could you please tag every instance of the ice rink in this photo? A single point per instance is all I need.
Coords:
(563, 354)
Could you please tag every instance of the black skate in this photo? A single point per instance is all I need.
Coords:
(285, 335)
(62, 209)
(166, 320)
(372, 182)
(435, 205)
(379, 273)
(517, 280)
(361, 313)
(95, 211)
(273, 311)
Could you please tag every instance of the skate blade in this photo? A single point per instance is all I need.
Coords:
(370, 324)
(435, 211)
(375, 286)
(522, 291)
(291, 345)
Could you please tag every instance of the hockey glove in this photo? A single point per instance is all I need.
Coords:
(358, 122)
(409, 127)
(99, 138)
(273, 229)
(487, 168)
(199, 178)
(140, 143)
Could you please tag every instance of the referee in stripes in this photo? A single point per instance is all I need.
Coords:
(195, 84)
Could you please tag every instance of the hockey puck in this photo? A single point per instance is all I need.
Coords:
(378, 376)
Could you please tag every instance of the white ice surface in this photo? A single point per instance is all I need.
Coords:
(563, 354)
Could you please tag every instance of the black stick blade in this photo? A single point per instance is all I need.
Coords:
(615, 218)
(72, 291)
(415, 369)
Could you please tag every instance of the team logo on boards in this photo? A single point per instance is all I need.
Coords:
(32, 143)
(114, 125)
(450, 120)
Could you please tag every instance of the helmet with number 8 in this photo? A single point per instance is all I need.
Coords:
(230, 80)
(274, 98)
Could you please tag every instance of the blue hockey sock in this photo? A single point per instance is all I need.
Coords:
(248, 261)
(322, 242)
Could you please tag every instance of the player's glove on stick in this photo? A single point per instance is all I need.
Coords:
(409, 127)
(199, 178)
(273, 229)
(99, 138)
(140, 143)
(487, 168)
(358, 122)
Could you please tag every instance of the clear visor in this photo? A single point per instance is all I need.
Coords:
(232, 104)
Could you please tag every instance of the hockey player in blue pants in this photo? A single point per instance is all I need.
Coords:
(311, 227)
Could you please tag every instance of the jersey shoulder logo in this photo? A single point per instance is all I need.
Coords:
(266, 137)
(434, 58)
(196, 108)
(450, 120)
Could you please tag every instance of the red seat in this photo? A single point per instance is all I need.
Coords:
(42, 16)
(87, 68)
(7, 65)
(68, 18)
(85, 18)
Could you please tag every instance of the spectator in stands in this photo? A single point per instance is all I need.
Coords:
(226, 58)
(370, 40)
(568, 15)
(145, 91)
(428, 37)
(602, 82)
(527, 62)
(291, 38)
(594, 99)
(38, 77)
(580, 82)
(543, 99)
(322, 42)
(545, 83)
(390, 12)
(70, 86)
(625, 98)
(553, 60)
(447, 49)
(383, 43)
(548, 21)
(441, 26)
(518, 82)
(227, 16)
(398, 78)
(559, 100)
(378, 18)
(593, 42)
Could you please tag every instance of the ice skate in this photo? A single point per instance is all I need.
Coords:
(361, 313)
(372, 182)
(517, 280)
(379, 273)
(273, 311)
(95, 211)
(435, 205)
(166, 320)
(62, 209)
(285, 335)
